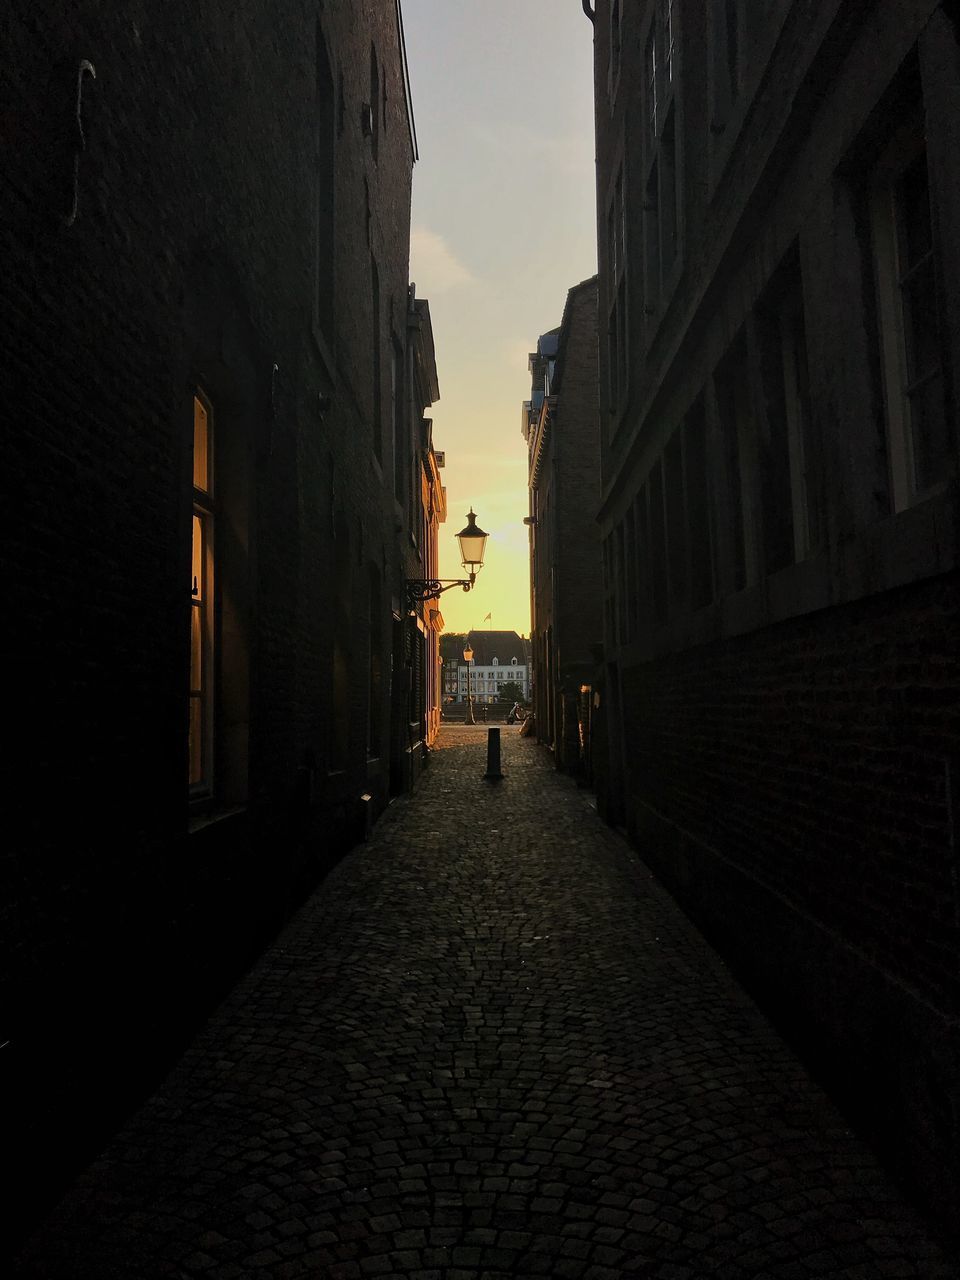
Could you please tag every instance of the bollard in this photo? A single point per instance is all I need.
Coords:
(494, 772)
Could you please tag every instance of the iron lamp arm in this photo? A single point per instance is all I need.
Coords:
(420, 590)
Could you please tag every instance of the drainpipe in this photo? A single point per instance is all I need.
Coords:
(589, 10)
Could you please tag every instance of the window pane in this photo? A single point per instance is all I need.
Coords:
(622, 338)
(676, 523)
(197, 570)
(651, 239)
(930, 435)
(698, 506)
(651, 74)
(668, 195)
(913, 202)
(196, 649)
(658, 545)
(920, 330)
(201, 445)
(196, 738)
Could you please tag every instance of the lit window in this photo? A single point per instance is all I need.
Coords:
(201, 613)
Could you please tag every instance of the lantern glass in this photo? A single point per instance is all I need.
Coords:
(473, 541)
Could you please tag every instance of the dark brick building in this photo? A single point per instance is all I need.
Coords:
(420, 510)
(561, 431)
(211, 457)
(778, 199)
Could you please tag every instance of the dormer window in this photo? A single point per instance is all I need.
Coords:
(496, 662)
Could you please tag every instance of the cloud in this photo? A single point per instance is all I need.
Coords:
(434, 266)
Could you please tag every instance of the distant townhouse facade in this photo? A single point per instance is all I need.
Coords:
(499, 658)
(560, 425)
(779, 198)
(217, 484)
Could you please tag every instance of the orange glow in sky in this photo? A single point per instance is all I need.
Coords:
(503, 226)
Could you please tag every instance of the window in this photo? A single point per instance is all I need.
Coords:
(732, 382)
(376, 372)
(725, 58)
(657, 544)
(631, 603)
(617, 316)
(325, 203)
(201, 613)
(677, 549)
(650, 81)
(651, 240)
(790, 484)
(698, 506)
(669, 38)
(661, 158)
(910, 328)
(398, 420)
(616, 36)
(733, 24)
(374, 665)
(374, 104)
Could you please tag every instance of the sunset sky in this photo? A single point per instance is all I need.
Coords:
(503, 226)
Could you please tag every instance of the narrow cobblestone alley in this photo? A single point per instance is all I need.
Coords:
(489, 1045)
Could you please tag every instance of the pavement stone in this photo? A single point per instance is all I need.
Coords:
(490, 1045)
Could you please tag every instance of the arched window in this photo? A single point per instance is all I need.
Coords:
(496, 662)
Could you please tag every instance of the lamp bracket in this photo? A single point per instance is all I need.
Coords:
(420, 590)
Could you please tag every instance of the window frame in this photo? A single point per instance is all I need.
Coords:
(618, 327)
(662, 205)
(904, 148)
(203, 602)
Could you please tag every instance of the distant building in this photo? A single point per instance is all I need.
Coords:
(561, 429)
(779, 199)
(498, 658)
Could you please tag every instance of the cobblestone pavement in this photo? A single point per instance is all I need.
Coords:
(488, 1046)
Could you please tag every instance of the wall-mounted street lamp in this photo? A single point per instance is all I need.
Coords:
(473, 542)
(468, 659)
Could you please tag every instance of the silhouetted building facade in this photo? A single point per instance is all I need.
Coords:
(779, 198)
(561, 429)
(212, 470)
(422, 496)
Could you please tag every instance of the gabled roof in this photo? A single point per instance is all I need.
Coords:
(502, 645)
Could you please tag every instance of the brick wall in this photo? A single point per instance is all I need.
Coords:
(796, 789)
(781, 706)
(192, 260)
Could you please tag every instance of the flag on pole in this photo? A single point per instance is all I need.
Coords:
(488, 618)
